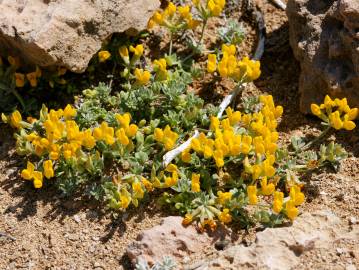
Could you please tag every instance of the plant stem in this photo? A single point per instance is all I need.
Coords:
(202, 32)
(310, 144)
(171, 44)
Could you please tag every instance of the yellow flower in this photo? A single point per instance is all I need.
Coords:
(28, 173)
(69, 112)
(142, 77)
(171, 9)
(187, 219)
(158, 134)
(158, 18)
(252, 195)
(103, 55)
(347, 124)
(195, 183)
(186, 156)
(225, 216)
(123, 51)
(123, 119)
(328, 102)
(137, 51)
(267, 189)
(228, 49)
(88, 140)
(19, 79)
(296, 195)
(160, 67)
(105, 133)
(171, 168)
(291, 211)
(212, 63)
(137, 189)
(184, 12)
(223, 197)
(125, 198)
(278, 201)
(315, 109)
(148, 185)
(32, 78)
(38, 178)
(335, 120)
(131, 130)
(214, 123)
(352, 114)
(122, 137)
(48, 169)
(15, 119)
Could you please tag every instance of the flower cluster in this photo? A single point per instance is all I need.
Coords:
(336, 113)
(174, 18)
(166, 136)
(228, 66)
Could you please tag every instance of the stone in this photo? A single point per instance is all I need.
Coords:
(67, 32)
(281, 248)
(324, 37)
(169, 238)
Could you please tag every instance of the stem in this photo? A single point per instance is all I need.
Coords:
(171, 44)
(310, 144)
(202, 32)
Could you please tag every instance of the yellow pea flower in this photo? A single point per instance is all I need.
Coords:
(69, 112)
(158, 134)
(195, 183)
(171, 168)
(125, 198)
(15, 119)
(88, 140)
(38, 178)
(223, 197)
(28, 173)
(291, 211)
(252, 194)
(148, 185)
(212, 63)
(158, 18)
(184, 12)
(103, 55)
(214, 123)
(48, 169)
(131, 130)
(278, 201)
(186, 156)
(137, 189)
(267, 189)
(137, 51)
(315, 109)
(123, 51)
(225, 216)
(142, 77)
(187, 219)
(170, 9)
(124, 119)
(228, 49)
(352, 114)
(32, 78)
(122, 137)
(296, 195)
(19, 80)
(328, 102)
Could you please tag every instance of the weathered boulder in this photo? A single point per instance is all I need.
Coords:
(67, 32)
(283, 248)
(324, 35)
(170, 239)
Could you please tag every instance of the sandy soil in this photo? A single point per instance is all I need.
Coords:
(52, 232)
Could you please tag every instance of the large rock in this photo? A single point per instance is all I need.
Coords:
(283, 248)
(67, 32)
(324, 35)
(170, 239)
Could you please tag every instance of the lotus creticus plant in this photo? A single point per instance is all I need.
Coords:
(110, 145)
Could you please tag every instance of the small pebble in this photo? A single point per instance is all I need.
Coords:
(77, 218)
(353, 221)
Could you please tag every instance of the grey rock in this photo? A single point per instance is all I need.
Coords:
(67, 32)
(325, 40)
